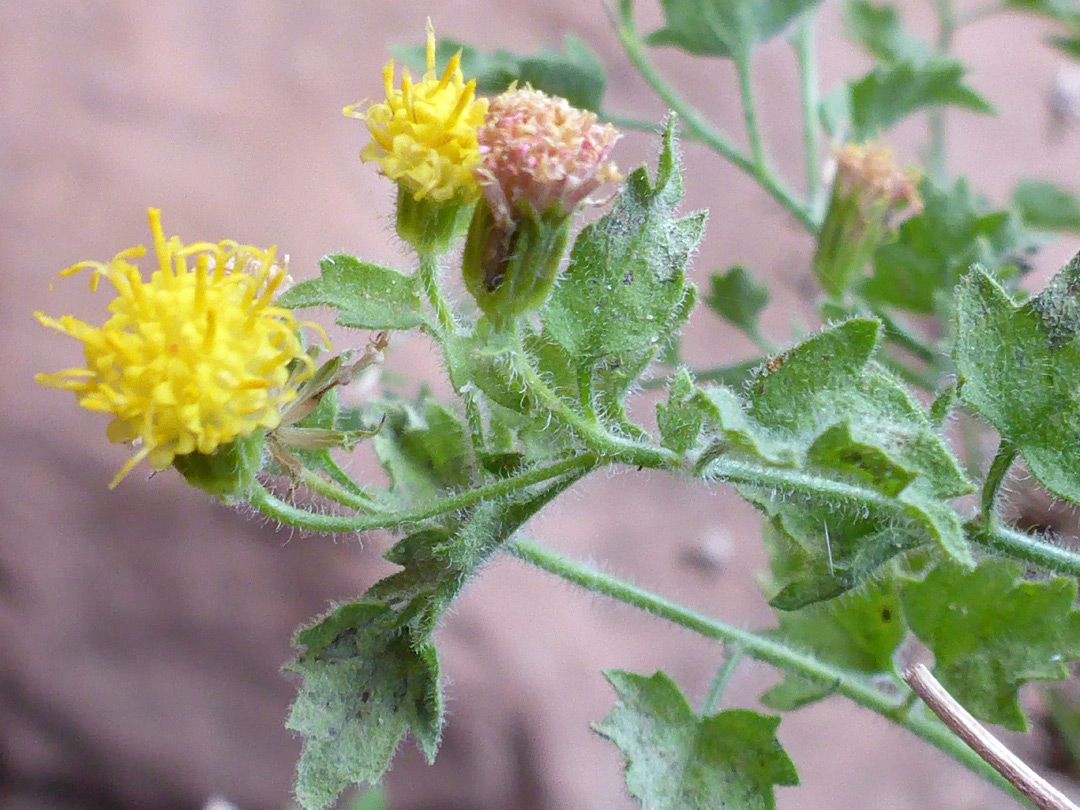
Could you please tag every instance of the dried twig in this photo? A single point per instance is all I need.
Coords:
(1040, 792)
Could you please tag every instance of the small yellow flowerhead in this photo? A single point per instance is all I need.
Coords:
(191, 360)
(540, 150)
(424, 135)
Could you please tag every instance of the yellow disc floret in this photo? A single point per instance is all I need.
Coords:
(190, 360)
(424, 135)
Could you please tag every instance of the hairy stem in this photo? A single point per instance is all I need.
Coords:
(599, 440)
(696, 125)
(266, 503)
(806, 53)
(755, 646)
(733, 655)
(429, 278)
(1024, 547)
(335, 492)
(999, 468)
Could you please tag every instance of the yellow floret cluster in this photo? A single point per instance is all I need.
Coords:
(424, 135)
(190, 360)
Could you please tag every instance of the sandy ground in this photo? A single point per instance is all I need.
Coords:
(141, 630)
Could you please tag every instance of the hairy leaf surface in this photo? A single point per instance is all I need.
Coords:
(1018, 366)
(724, 27)
(676, 760)
(991, 631)
(367, 296)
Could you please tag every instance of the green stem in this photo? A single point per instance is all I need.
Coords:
(273, 507)
(1024, 547)
(720, 682)
(806, 53)
(937, 153)
(743, 63)
(696, 125)
(337, 493)
(902, 336)
(603, 443)
(429, 278)
(999, 467)
(756, 646)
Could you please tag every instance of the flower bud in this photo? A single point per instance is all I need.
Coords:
(540, 160)
(510, 270)
(868, 194)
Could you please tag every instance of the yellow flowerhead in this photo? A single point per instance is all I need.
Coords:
(190, 360)
(424, 135)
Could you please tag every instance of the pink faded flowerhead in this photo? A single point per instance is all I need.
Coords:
(540, 150)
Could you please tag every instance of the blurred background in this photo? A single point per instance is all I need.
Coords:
(142, 629)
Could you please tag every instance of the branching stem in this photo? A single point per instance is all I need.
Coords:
(733, 655)
(273, 507)
(755, 646)
(696, 125)
(429, 278)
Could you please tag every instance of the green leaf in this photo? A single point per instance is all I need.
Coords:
(738, 299)
(860, 471)
(365, 684)
(858, 631)
(877, 28)
(1018, 366)
(676, 760)
(933, 249)
(1044, 205)
(892, 92)
(367, 296)
(575, 74)
(725, 27)
(625, 285)
(991, 632)
(423, 448)
(370, 670)
(679, 421)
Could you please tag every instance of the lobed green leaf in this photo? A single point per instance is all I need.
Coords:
(367, 296)
(877, 28)
(725, 27)
(738, 298)
(866, 107)
(1018, 365)
(676, 760)
(991, 631)
(575, 74)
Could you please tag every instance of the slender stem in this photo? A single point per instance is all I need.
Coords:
(904, 337)
(999, 468)
(429, 278)
(335, 492)
(273, 507)
(723, 676)
(759, 647)
(474, 420)
(698, 128)
(806, 53)
(1037, 790)
(1024, 547)
(743, 65)
(937, 153)
(590, 431)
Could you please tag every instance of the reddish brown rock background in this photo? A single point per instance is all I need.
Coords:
(141, 630)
